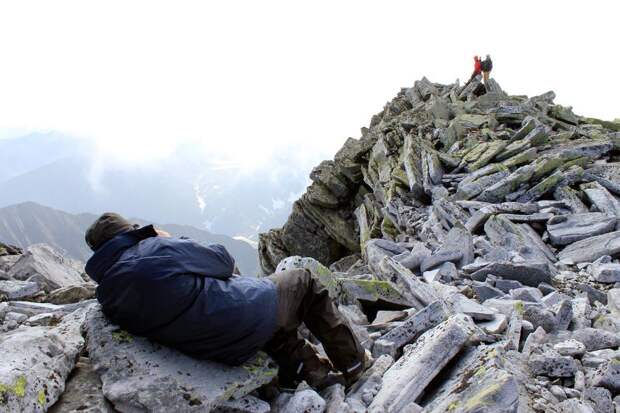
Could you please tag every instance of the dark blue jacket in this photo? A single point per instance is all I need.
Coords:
(182, 294)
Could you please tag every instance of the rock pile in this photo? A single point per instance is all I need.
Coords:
(470, 237)
(472, 240)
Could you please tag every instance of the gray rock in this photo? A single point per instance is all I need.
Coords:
(563, 315)
(126, 364)
(17, 317)
(546, 288)
(599, 398)
(596, 358)
(526, 294)
(604, 271)
(36, 362)
(566, 229)
(361, 393)
(335, 399)
(44, 319)
(409, 330)
(574, 406)
(246, 404)
(82, 392)
(591, 249)
(570, 348)
(17, 290)
(507, 285)
(595, 339)
(528, 273)
(554, 298)
(439, 258)
(607, 323)
(461, 304)
(613, 301)
(534, 340)
(520, 238)
(495, 326)
(46, 266)
(304, 401)
(552, 365)
(72, 294)
(484, 291)
(607, 375)
(408, 283)
(581, 313)
(540, 317)
(413, 259)
(593, 294)
(601, 198)
(422, 361)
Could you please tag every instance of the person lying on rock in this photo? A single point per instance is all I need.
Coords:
(182, 294)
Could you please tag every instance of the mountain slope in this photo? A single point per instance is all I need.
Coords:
(30, 223)
(187, 187)
(447, 149)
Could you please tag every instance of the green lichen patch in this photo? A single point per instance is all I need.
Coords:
(122, 336)
(41, 397)
(17, 388)
(519, 307)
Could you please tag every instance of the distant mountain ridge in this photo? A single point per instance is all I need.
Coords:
(187, 187)
(31, 223)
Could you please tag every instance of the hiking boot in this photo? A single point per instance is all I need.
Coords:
(354, 372)
(318, 372)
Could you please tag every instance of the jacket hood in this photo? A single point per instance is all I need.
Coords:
(107, 255)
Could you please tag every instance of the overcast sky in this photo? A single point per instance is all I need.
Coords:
(245, 77)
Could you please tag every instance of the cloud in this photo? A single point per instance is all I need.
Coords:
(240, 80)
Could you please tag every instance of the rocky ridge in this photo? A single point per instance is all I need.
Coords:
(470, 238)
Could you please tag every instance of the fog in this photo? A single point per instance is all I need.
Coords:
(240, 81)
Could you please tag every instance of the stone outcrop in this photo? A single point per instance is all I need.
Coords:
(492, 221)
(139, 375)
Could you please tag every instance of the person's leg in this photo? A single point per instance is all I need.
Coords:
(296, 357)
(302, 298)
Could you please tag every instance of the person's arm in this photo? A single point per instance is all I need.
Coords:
(211, 261)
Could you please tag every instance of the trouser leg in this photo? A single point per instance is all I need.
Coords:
(291, 352)
(302, 298)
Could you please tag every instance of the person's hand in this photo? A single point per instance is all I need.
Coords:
(162, 233)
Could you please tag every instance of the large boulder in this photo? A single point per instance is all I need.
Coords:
(47, 267)
(36, 361)
(141, 376)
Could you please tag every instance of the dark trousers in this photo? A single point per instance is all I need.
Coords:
(303, 299)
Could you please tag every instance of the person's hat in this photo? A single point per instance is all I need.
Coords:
(106, 227)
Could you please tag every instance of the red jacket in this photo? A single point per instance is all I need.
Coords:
(477, 68)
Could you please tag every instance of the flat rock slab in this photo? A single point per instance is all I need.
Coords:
(406, 380)
(141, 376)
(530, 273)
(17, 290)
(391, 342)
(591, 249)
(36, 361)
(564, 230)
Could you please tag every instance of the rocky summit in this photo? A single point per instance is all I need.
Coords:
(470, 237)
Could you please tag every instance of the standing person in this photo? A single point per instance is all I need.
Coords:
(184, 295)
(477, 68)
(486, 65)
